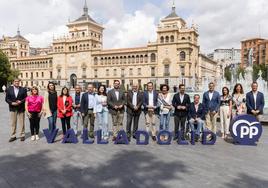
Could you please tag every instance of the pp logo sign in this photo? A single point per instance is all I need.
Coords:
(246, 130)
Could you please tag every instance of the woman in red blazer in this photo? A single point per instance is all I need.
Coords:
(65, 111)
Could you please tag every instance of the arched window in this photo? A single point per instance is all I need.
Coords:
(182, 56)
(141, 58)
(171, 38)
(162, 39)
(167, 38)
(183, 38)
(137, 58)
(83, 34)
(153, 57)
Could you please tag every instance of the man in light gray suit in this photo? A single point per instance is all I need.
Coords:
(77, 117)
(116, 101)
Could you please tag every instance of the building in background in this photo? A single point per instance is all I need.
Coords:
(79, 57)
(252, 50)
(226, 56)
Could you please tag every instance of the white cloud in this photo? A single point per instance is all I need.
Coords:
(222, 23)
(45, 39)
(130, 31)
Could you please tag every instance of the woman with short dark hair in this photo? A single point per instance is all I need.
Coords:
(165, 103)
(102, 112)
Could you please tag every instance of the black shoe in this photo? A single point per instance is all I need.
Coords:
(196, 138)
(12, 139)
(22, 139)
(154, 138)
(134, 137)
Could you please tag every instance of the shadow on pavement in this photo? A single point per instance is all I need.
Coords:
(126, 169)
(244, 180)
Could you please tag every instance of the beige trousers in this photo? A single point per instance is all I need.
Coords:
(150, 123)
(117, 122)
(225, 120)
(211, 122)
(14, 118)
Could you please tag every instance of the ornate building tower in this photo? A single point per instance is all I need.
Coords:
(72, 53)
(178, 50)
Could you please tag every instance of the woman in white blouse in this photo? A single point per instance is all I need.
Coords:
(165, 103)
(239, 101)
(102, 112)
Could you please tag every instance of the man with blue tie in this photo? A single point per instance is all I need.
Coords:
(196, 116)
(87, 105)
(211, 102)
(255, 101)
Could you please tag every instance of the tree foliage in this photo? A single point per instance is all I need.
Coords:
(228, 73)
(240, 70)
(6, 73)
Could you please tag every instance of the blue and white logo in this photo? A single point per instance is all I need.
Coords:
(246, 130)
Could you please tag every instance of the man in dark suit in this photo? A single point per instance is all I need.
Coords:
(211, 102)
(87, 106)
(15, 97)
(181, 102)
(116, 101)
(134, 102)
(196, 116)
(255, 101)
(150, 99)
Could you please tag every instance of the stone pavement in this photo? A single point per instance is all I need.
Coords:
(38, 164)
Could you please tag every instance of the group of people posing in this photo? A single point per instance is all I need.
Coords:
(84, 108)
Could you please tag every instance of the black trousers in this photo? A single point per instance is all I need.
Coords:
(179, 121)
(34, 123)
(135, 118)
(65, 122)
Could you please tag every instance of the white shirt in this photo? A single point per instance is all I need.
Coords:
(151, 98)
(210, 94)
(134, 98)
(116, 94)
(16, 91)
(64, 100)
(255, 98)
(196, 106)
(181, 97)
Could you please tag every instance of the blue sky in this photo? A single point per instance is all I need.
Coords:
(130, 23)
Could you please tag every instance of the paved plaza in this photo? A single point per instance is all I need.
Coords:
(38, 164)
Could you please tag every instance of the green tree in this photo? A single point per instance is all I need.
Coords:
(264, 68)
(228, 73)
(256, 69)
(240, 70)
(6, 73)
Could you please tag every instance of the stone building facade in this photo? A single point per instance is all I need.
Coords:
(79, 58)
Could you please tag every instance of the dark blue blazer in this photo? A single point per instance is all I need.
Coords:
(146, 100)
(250, 102)
(200, 113)
(84, 103)
(10, 97)
(213, 104)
